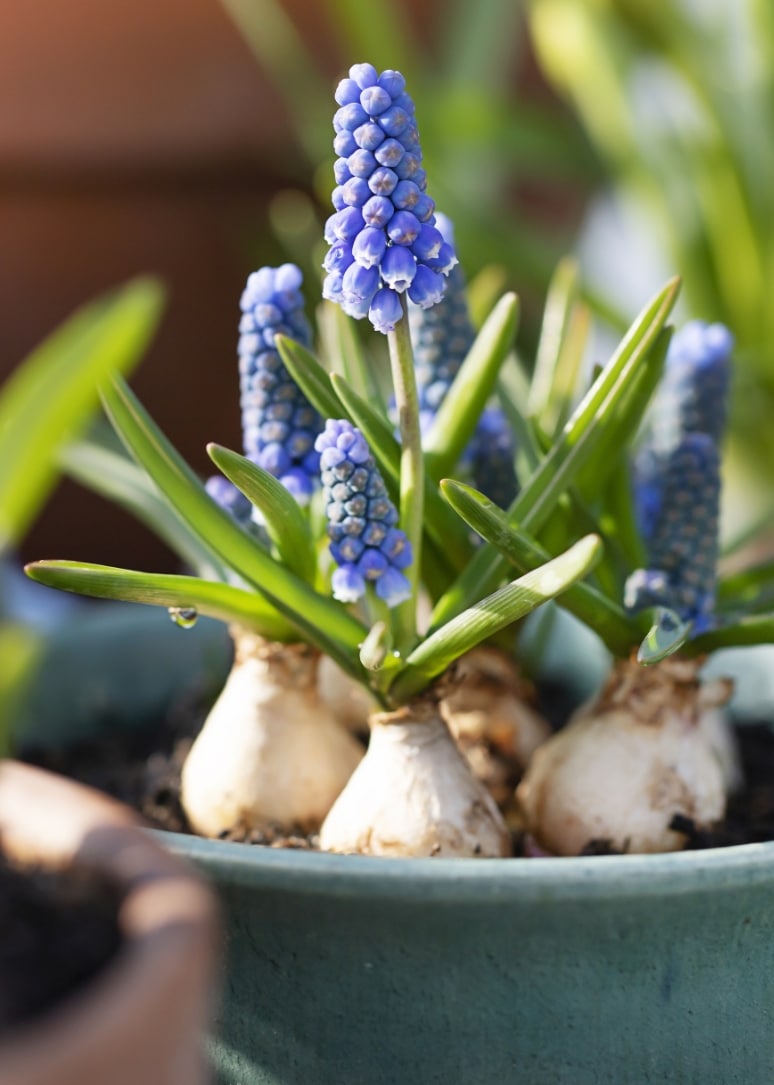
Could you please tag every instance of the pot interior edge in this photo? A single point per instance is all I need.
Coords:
(587, 877)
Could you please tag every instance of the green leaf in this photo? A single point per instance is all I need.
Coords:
(114, 476)
(343, 350)
(608, 620)
(208, 597)
(758, 629)
(376, 647)
(50, 397)
(487, 617)
(579, 439)
(624, 425)
(285, 523)
(747, 591)
(560, 301)
(457, 417)
(311, 378)
(665, 637)
(320, 620)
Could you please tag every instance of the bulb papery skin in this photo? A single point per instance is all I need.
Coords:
(488, 710)
(348, 700)
(413, 794)
(270, 752)
(625, 765)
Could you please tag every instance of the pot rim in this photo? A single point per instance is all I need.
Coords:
(236, 865)
(168, 919)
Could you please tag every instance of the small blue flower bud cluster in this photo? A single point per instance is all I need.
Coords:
(279, 425)
(225, 494)
(491, 454)
(383, 238)
(365, 542)
(683, 549)
(692, 398)
(442, 337)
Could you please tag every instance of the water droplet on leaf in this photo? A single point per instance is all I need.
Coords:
(667, 634)
(185, 617)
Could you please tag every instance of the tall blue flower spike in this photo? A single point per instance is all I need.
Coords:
(442, 337)
(692, 398)
(365, 542)
(683, 548)
(279, 425)
(383, 237)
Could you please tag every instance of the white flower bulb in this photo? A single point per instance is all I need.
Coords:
(270, 752)
(414, 794)
(627, 763)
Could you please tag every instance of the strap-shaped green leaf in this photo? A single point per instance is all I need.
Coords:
(487, 617)
(320, 620)
(758, 629)
(748, 591)
(626, 421)
(560, 302)
(343, 350)
(608, 620)
(285, 523)
(311, 378)
(222, 601)
(578, 440)
(51, 395)
(457, 417)
(113, 475)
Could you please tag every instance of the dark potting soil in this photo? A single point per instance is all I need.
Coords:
(58, 930)
(143, 770)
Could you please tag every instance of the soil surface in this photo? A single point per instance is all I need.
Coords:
(58, 931)
(143, 770)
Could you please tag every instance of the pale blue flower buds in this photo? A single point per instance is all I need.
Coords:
(278, 423)
(365, 542)
(383, 216)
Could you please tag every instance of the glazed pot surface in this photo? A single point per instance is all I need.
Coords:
(589, 971)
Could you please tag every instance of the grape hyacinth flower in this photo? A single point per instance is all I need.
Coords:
(692, 398)
(279, 425)
(365, 542)
(383, 237)
(442, 337)
(683, 549)
(491, 453)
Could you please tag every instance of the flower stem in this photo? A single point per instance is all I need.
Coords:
(412, 476)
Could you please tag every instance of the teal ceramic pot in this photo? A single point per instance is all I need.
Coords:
(591, 971)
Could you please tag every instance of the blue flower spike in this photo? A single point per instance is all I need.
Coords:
(692, 398)
(279, 425)
(383, 237)
(683, 550)
(366, 544)
(693, 395)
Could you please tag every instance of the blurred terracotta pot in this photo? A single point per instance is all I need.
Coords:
(140, 1021)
